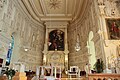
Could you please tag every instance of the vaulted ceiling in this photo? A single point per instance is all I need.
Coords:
(53, 10)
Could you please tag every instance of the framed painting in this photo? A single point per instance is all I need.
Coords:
(56, 40)
(113, 27)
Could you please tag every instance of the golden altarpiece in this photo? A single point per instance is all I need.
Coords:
(56, 46)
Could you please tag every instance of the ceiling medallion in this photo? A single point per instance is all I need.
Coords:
(54, 4)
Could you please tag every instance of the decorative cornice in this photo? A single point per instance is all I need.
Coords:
(56, 19)
(60, 15)
(56, 24)
(115, 42)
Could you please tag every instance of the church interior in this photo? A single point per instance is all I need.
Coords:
(45, 39)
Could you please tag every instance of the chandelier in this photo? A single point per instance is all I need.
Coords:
(54, 4)
(77, 44)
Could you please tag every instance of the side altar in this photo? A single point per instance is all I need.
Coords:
(56, 46)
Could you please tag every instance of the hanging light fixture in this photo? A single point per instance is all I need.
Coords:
(77, 44)
(26, 49)
(77, 47)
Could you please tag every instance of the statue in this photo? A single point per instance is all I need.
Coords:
(22, 68)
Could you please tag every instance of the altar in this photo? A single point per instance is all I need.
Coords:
(56, 46)
(56, 58)
(48, 72)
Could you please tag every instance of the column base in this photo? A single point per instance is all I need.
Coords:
(20, 76)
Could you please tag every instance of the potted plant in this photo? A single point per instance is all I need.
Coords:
(99, 66)
(10, 73)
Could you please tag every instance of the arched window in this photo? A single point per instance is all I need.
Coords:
(10, 51)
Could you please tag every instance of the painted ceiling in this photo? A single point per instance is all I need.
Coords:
(53, 10)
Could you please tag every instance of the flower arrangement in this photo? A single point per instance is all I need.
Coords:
(10, 73)
(99, 66)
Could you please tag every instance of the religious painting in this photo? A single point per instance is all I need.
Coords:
(113, 26)
(56, 40)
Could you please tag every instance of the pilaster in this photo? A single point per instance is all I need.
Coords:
(103, 22)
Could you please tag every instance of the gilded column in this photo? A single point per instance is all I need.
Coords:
(103, 29)
(66, 51)
(102, 21)
(45, 47)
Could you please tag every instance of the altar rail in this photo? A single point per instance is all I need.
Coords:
(103, 76)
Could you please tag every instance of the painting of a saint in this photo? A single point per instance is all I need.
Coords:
(56, 40)
(113, 28)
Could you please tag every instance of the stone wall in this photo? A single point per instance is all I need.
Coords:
(110, 9)
(94, 19)
(82, 27)
(27, 33)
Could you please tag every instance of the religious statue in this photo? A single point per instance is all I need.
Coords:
(99, 66)
(87, 69)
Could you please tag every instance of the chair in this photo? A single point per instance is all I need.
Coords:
(74, 70)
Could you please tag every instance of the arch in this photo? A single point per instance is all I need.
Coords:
(56, 40)
(91, 49)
